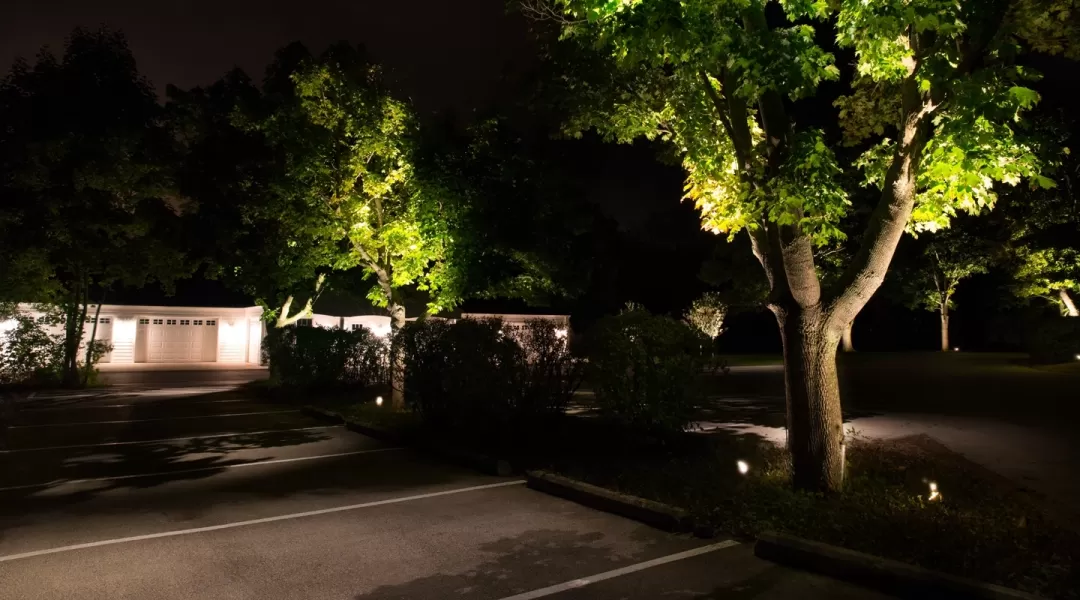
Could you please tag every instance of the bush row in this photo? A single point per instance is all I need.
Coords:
(317, 358)
(488, 378)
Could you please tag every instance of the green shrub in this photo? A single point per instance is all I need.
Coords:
(551, 373)
(30, 355)
(646, 370)
(1053, 340)
(474, 376)
(314, 357)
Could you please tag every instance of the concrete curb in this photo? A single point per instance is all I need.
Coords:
(466, 458)
(893, 577)
(657, 514)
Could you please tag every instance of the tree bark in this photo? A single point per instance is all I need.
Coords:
(945, 329)
(815, 434)
(88, 367)
(75, 316)
(397, 358)
(845, 340)
(1067, 301)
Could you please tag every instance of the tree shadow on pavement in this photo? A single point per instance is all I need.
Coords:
(532, 560)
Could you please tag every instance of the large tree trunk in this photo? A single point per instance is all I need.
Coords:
(88, 367)
(75, 318)
(945, 329)
(397, 358)
(815, 425)
(1067, 301)
(845, 341)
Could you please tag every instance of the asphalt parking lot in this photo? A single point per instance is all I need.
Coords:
(190, 489)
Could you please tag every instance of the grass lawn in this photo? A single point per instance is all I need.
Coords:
(981, 528)
(968, 383)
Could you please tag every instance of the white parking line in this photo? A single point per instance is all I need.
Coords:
(77, 406)
(177, 472)
(579, 583)
(300, 515)
(164, 440)
(270, 412)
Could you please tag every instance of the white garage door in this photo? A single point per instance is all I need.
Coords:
(175, 339)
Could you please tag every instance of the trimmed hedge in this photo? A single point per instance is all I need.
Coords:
(481, 377)
(313, 357)
(645, 370)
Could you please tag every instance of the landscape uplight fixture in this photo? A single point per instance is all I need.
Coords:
(378, 400)
(743, 467)
(935, 495)
(955, 349)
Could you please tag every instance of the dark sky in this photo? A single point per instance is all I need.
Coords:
(441, 53)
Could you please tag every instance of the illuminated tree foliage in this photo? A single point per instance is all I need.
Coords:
(937, 101)
(348, 167)
(706, 314)
(1043, 247)
(348, 149)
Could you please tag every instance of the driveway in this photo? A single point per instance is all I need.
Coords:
(191, 492)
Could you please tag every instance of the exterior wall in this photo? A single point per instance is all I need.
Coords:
(325, 321)
(512, 321)
(232, 340)
(378, 324)
(124, 339)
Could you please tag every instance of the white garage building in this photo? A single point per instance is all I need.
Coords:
(209, 335)
(172, 334)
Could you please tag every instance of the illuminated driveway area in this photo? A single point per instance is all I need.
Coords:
(204, 493)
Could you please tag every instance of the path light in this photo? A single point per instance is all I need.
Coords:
(934, 493)
(743, 467)
(955, 349)
(1078, 357)
(378, 400)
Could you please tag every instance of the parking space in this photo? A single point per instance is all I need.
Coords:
(161, 493)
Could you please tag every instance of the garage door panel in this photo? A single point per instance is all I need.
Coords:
(176, 339)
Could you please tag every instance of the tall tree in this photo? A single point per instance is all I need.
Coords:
(937, 99)
(86, 176)
(244, 222)
(946, 259)
(1042, 247)
(323, 180)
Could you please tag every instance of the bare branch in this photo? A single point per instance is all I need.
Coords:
(545, 10)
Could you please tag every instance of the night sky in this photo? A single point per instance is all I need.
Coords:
(444, 55)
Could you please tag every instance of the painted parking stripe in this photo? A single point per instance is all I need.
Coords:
(129, 404)
(165, 440)
(246, 414)
(300, 515)
(259, 463)
(580, 583)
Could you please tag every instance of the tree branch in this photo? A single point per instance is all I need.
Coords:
(284, 320)
(893, 211)
(718, 102)
(542, 10)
